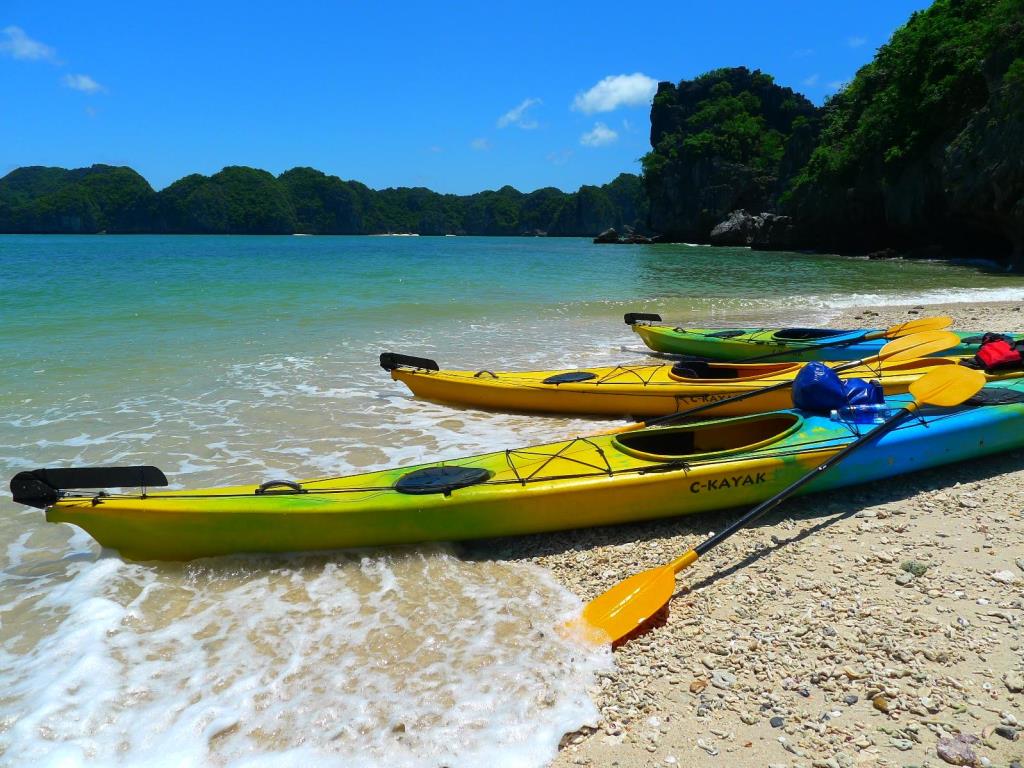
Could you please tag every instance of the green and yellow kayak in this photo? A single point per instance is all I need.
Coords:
(573, 483)
(777, 344)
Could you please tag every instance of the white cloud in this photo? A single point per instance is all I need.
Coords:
(517, 116)
(812, 80)
(16, 44)
(855, 41)
(803, 53)
(616, 91)
(599, 136)
(82, 83)
(837, 85)
(480, 145)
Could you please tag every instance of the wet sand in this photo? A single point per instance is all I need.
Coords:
(878, 626)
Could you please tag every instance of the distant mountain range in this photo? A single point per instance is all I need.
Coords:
(241, 200)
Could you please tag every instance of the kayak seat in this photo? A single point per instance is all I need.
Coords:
(704, 371)
(806, 334)
(725, 436)
(730, 333)
(701, 369)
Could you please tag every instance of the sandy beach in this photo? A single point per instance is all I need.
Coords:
(877, 627)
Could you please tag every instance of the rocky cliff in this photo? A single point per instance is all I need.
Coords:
(726, 140)
(924, 150)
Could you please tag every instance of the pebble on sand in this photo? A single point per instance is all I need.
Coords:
(958, 750)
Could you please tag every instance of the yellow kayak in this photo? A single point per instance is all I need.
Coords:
(635, 390)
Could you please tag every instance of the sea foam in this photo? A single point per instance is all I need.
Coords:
(405, 658)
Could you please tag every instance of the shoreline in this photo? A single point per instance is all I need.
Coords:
(803, 641)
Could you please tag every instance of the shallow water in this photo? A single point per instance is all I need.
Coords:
(237, 359)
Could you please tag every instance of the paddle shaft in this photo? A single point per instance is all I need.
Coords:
(838, 345)
(767, 506)
(892, 332)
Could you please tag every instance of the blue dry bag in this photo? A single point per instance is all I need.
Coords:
(860, 392)
(817, 388)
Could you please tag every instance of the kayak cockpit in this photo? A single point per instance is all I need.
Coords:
(701, 370)
(807, 334)
(710, 438)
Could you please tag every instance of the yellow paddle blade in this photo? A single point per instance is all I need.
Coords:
(947, 386)
(615, 613)
(917, 345)
(912, 326)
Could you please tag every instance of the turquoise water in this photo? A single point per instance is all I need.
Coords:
(75, 306)
(240, 359)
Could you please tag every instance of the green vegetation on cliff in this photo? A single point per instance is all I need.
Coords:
(237, 200)
(925, 147)
(923, 151)
(720, 142)
(927, 81)
(102, 197)
(240, 200)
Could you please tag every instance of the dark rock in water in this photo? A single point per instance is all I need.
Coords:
(737, 229)
(885, 253)
(765, 231)
(772, 233)
(629, 238)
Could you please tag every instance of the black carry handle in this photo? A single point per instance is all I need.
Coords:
(391, 360)
(272, 487)
(42, 487)
(632, 318)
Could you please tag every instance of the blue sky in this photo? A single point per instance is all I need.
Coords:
(458, 97)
